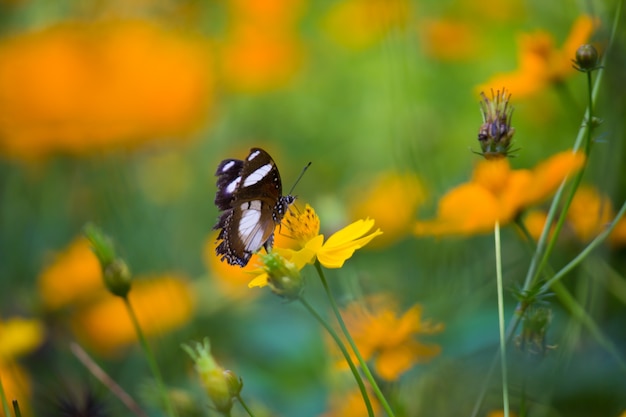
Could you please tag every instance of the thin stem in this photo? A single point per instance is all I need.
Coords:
(346, 354)
(106, 380)
(344, 329)
(244, 405)
(505, 386)
(3, 398)
(151, 360)
(16, 409)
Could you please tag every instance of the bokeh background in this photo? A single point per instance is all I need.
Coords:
(118, 112)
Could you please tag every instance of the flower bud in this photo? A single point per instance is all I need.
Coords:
(222, 386)
(283, 276)
(496, 133)
(115, 272)
(586, 58)
(117, 277)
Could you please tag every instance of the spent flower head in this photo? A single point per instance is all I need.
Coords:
(222, 385)
(496, 132)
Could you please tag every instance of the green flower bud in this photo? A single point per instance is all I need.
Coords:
(283, 276)
(586, 58)
(115, 272)
(222, 386)
(117, 278)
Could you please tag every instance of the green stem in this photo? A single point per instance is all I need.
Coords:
(344, 351)
(344, 329)
(16, 409)
(505, 386)
(3, 398)
(244, 405)
(151, 360)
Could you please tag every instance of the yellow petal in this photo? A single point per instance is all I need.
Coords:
(350, 232)
(340, 246)
(259, 281)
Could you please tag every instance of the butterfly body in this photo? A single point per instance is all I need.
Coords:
(249, 194)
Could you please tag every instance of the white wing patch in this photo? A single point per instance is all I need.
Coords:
(253, 155)
(227, 166)
(257, 175)
(230, 188)
(251, 232)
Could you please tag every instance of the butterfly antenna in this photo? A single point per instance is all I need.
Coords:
(299, 177)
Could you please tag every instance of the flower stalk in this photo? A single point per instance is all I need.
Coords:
(344, 329)
(505, 389)
(345, 353)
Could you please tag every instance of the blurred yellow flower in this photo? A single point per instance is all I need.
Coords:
(540, 62)
(262, 50)
(589, 213)
(349, 404)
(390, 340)
(73, 277)
(304, 228)
(500, 413)
(17, 386)
(380, 202)
(105, 85)
(497, 193)
(19, 336)
(161, 303)
(358, 24)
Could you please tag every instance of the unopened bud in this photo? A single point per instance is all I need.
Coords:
(586, 58)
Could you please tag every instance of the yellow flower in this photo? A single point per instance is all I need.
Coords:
(19, 336)
(332, 253)
(161, 304)
(540, 62)
(358, 24)
(380, 202)
(106, 84)
(74, 276)
(390, 340)
(497, 193)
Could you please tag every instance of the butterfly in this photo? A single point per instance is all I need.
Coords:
(249, 195)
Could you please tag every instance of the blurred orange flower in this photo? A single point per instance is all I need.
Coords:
(589, 214)
(497, 193)
(161, 303)
(358, 24)
(231, 280)
(262, 50)
(82, 87)
(540, 62)
(390, 340)
(440, 39)
(73, 277)
(17, 386)
(349, 404)
(380, 202)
